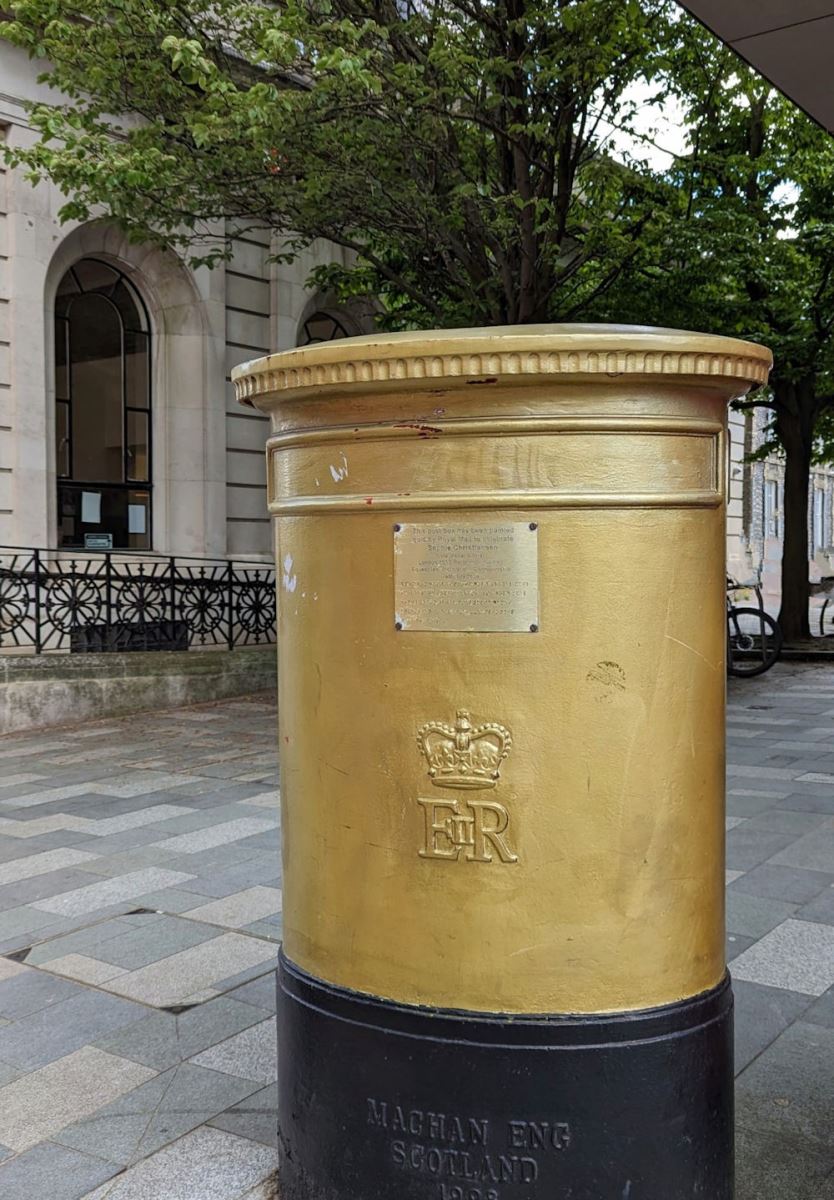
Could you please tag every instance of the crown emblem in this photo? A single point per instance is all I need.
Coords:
(463, 755)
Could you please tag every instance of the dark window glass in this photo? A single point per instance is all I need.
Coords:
(94, 276)
(67, 288)
(123, 514)
(137, 445)
(137, 382)
(321, 327)
(102, 415)
(96, 389)
(129, 305)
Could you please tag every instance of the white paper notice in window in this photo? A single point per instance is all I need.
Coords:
(136, 518)
(91, 508)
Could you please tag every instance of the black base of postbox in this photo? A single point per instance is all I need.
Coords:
(380, 1101)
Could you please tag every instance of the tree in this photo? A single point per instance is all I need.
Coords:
(751, 252)
(456, 146)
(458, 149)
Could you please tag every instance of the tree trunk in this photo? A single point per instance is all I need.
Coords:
(795, 415)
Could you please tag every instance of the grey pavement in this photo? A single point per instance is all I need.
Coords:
(140, 913)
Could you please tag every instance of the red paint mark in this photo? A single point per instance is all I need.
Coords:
(369, 499)
(489, 379)
(287, 740)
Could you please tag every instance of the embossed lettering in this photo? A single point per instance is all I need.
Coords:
(436, 1126)
(474, 829)
(439, 841)
(478, 1130)
(377, 1113)
(480, 1167)
(490, 833)
(448, 1146)
(538, 1135)
(466, 577)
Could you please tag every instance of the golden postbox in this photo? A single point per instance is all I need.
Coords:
(501, 690)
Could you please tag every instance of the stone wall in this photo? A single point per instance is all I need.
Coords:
(39, 692)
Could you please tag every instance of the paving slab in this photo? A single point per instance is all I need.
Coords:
(208, 1164)
(109, 891)
(821, 908)
(253, 1117)
(29, 991)
(780, 1167)
(78, 941)
(747, 847)
(762, 1014)
(813, 852)
(56, 1172)
(789, 1088)
(797, 955)
(252, 1053)
(194, 973)
(42, 1037)
(791, 884)
(44, 887)
(217, 835)
(754, 916)
(164, 1039)
(42, 1103)
(156, 1113)
(260, 993)
(41, 864)
(240, 909)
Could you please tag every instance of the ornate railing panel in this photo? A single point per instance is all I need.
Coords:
(59, 601)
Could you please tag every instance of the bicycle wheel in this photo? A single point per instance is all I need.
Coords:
(753, 641)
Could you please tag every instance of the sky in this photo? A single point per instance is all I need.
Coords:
(661, 133)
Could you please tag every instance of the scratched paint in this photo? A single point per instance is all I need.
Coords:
(339, 472)
(289, 580)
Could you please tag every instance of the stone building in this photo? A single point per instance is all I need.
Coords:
(755, 521)
(162, 458)
(118, 424)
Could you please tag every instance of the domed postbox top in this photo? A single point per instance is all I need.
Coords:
(523, 353)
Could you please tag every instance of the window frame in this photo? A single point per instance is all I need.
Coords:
(818, 519)
(63, 327)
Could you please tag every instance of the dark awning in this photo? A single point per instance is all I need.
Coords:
(791, 42)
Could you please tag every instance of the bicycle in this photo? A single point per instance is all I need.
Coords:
(754, 639)
(825, 587)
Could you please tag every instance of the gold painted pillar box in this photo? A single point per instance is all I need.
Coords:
(502, 670)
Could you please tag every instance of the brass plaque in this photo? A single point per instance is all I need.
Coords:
(467, 578)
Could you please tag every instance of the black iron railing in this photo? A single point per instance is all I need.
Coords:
(61, 600)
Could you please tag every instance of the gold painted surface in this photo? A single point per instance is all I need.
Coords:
(462, 577)
(450, 459)
(464, 755)
(515, 352)
(589, 876)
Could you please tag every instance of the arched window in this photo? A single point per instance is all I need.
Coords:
(102, 410)
(321, 327)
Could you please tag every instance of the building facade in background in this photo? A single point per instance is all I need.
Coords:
(755, 520)
(118, 424)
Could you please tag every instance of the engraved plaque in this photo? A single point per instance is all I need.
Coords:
(467, 578)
